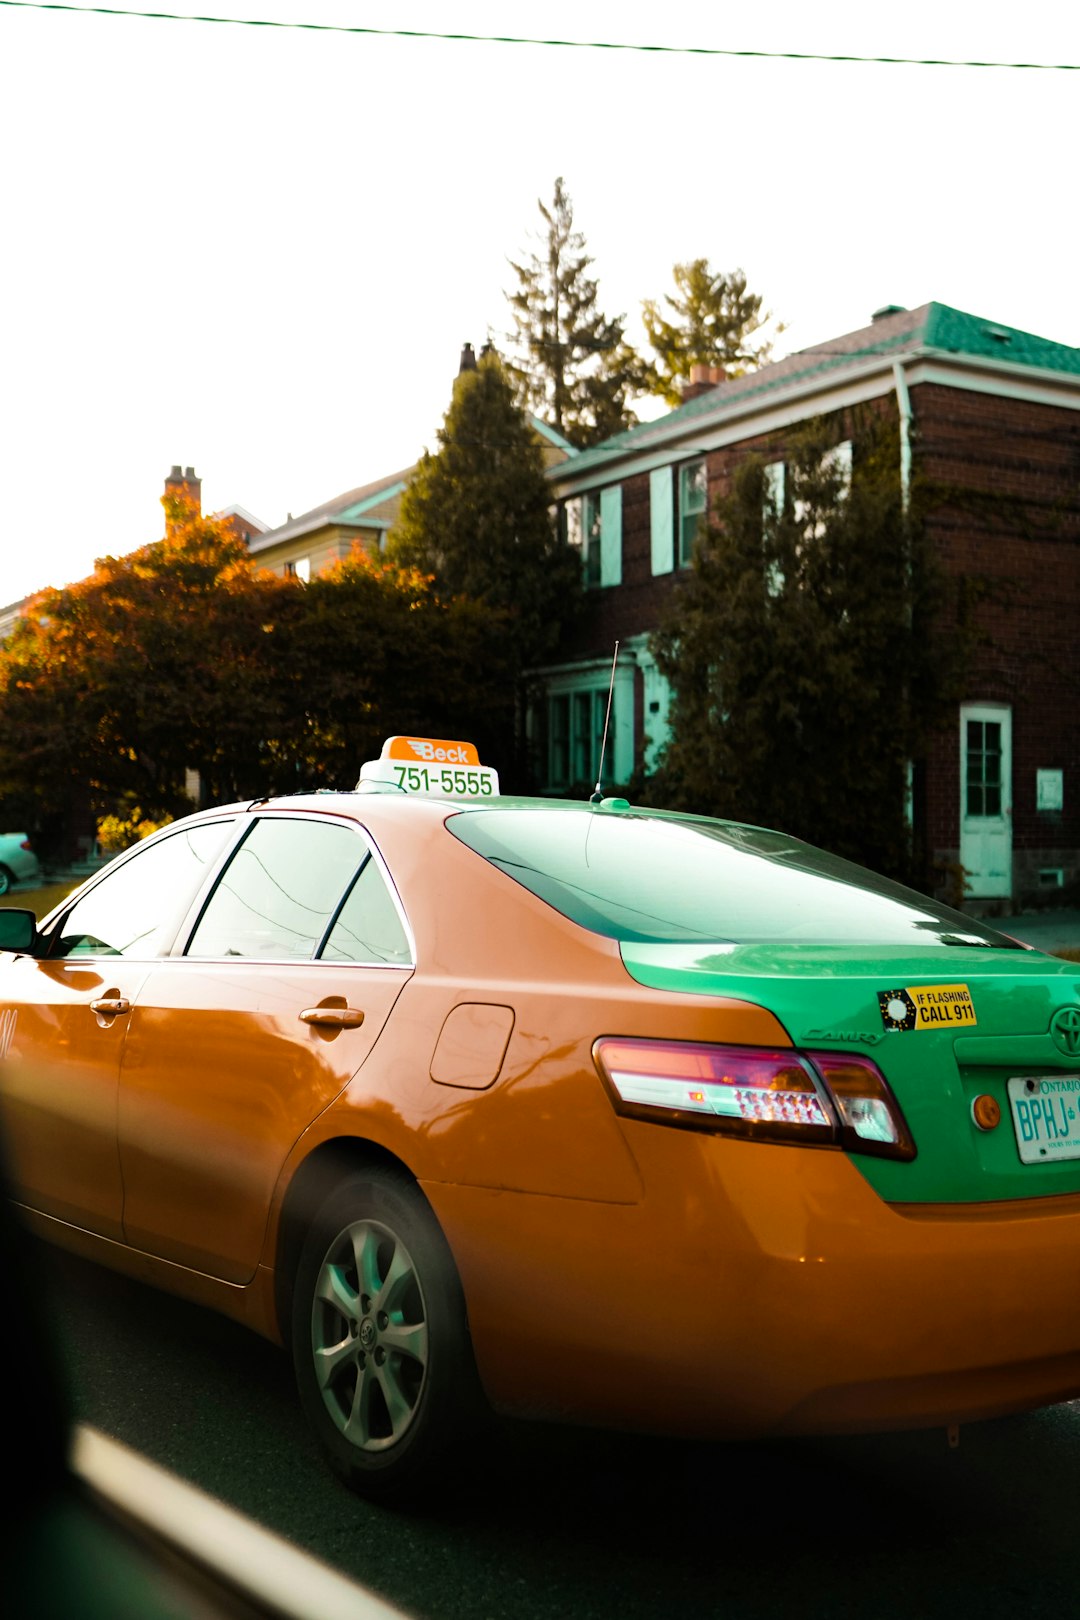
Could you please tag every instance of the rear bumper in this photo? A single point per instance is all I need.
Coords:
(765, 1290)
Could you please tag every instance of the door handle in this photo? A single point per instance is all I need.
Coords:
(333, 1017)
(109, 1006)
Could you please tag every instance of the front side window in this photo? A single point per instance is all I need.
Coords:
(280, 891)
(693, 502)
(136, 908)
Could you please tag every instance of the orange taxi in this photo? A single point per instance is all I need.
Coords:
(575, 1111)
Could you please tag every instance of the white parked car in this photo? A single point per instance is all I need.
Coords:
(18, 863)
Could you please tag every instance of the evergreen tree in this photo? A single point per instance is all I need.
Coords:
(477, 516)
(573, 364)
(714, 322)
(803, 680)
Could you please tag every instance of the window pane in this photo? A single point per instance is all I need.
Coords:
(582, 736)
(559, 741)
(279, 891)
(136, 908)
(693, 497)
(599, 716)
(369, 928)
(591, 506)
(983, 768)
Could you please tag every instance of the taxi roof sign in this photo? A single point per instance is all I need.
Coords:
(433, 750)
(431, 768)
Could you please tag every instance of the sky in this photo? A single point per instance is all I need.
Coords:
(258, 251)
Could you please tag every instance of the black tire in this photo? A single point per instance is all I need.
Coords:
(7, 878)
(380, 1341)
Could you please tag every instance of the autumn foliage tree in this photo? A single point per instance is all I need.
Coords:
(377, 650)
(184, 657)
(113, 688)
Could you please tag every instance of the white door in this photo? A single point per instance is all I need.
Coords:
(986, 799)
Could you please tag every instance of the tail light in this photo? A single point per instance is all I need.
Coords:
(823, 1099)
(26, 844)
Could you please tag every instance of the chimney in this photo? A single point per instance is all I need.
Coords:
(468, 359)
(885, 311)
(183, 482)
(702, 379)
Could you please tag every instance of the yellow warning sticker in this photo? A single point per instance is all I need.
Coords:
(935, 1006)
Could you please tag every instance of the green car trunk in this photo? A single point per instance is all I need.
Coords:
(1019, 1020)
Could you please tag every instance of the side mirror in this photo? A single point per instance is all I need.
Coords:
(18, 930)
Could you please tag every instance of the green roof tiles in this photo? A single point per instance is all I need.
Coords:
(930, 328)
(959, 333)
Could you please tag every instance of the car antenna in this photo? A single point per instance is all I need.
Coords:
(598, 794)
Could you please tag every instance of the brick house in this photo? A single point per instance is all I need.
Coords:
(979, 406)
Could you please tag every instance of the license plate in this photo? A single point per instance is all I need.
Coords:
(1046, 1116)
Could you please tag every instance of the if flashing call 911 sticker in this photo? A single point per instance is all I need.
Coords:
(935, 1006)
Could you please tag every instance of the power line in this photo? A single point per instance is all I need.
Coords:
(565, 44)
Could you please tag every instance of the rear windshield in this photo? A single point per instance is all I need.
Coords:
(637, 876)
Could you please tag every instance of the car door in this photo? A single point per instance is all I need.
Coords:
(237, 1044)
(66, 1018)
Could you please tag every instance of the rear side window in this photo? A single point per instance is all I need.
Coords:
(368, 927)
(278, 894)
(642, 877)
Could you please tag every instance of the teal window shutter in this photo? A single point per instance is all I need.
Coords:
(611, 535)
(662, 520)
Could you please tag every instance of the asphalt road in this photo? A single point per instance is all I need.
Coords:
(568, 1526)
